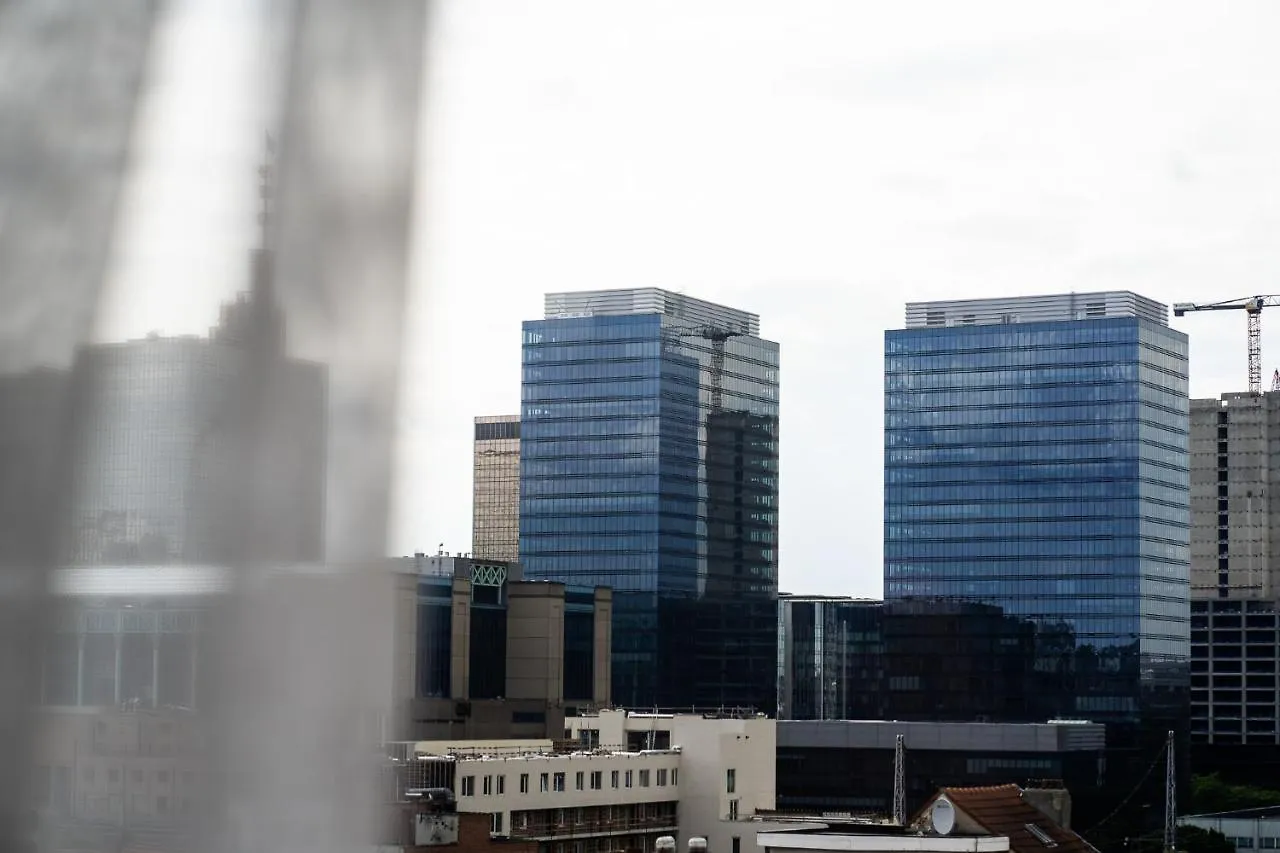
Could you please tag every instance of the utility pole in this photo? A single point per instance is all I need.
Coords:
(900, 781)
(1170, 800)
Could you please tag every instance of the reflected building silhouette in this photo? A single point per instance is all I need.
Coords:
(153, 523)
(156, 479)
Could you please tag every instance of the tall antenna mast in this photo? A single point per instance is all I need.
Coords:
(900, 781)
(1170, 799)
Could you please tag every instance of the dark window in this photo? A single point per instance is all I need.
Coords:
(528, 717)
(495, 432)
(579, 654)
(488, 652)
(435, 636)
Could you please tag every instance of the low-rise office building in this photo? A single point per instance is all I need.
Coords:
(847, 765)
(1248, 829)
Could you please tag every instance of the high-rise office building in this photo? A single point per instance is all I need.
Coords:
(649, 453)
(495, 502)
(1235, 529)
(1036, 460)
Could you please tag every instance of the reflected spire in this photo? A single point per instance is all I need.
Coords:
(254, 319)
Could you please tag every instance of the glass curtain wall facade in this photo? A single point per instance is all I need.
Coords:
(649, 446)
(1042, 468)
(830, 658)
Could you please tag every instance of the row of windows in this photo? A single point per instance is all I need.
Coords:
(532, 447)
(959, 530)
(756, 477)
(675, 497)
(1049, 395)
(591, 350)
(587, 506)
(693, 527)
(1030, 471)
(1041, 598)
(1035, 490)
(1067, 414)
(594, 427)
(1015, 578)
(1061, 451)
(1012, 358)
(1098, 358)
(1030, 510)
(966, 375)
(631, 407)
(496, 785)
(593, 371)
(1159, 373)
(734, 372)
(1060, 335)
(929, 435)
(736, 396)
(1118, 547)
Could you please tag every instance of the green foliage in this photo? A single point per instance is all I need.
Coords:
(1193, 839)
(1211, 794)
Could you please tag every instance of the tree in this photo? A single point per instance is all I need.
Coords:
(1193, 839)
(1211, 794)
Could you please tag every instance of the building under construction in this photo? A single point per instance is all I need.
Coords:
(1235, 586)
(1233, 521)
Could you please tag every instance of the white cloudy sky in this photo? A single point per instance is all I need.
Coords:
(817, 162)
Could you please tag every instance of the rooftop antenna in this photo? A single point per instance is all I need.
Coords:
(1170, 799)
(900, 781)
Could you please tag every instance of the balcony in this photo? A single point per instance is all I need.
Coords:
(589, 828)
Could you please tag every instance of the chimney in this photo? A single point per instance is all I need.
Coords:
(1051, 799)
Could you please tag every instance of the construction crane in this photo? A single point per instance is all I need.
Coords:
(718, 337)
(1252, 306)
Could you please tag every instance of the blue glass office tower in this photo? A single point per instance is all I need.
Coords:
(1036, 460)
(649, 463)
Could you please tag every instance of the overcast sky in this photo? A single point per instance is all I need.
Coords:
(818, 163)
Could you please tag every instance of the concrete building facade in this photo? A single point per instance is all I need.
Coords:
(483, 653)
(495, 499)
(727, 767)
(1235, 527)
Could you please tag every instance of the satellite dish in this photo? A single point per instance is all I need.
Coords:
(943, 815)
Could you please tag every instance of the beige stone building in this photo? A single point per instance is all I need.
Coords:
(495, 508)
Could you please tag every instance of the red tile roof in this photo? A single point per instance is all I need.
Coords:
(1001, 810)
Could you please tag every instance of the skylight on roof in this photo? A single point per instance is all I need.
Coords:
(1041, 835)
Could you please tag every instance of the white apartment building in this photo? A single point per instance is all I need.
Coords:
(584, 801)
(618, 783)
(728, 768)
